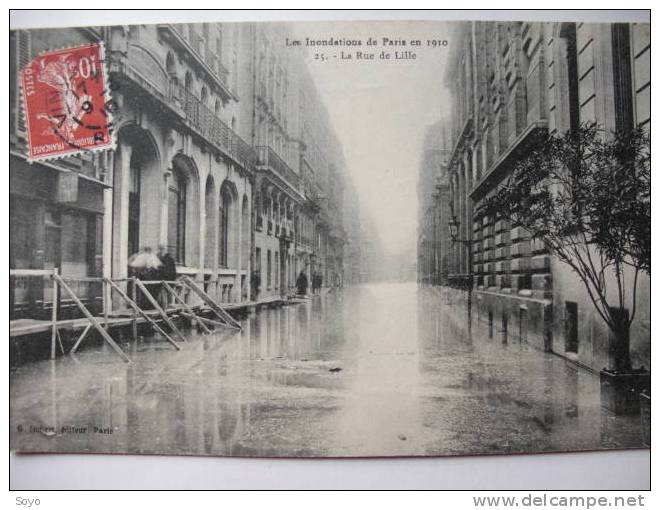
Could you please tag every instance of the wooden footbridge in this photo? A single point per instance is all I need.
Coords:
(134, 294)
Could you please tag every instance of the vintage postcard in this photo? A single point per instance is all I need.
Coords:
(330, 239)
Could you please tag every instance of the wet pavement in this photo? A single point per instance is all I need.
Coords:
(383, 369)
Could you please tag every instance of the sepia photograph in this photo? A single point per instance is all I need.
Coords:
(385, 238)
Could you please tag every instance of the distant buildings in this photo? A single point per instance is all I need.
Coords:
(509, 80)
(299, 178)
(434, 248)
(225, 156)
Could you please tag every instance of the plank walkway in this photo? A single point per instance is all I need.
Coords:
(118, 318)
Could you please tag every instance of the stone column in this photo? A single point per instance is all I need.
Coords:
(461, 216)
(201, 229)
(107, 224)
(239, 238)
(164, 208)
(469, 172)
(120, 206)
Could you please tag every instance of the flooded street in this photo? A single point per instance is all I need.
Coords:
(379, 369)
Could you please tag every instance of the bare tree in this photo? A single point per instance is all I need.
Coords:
(587, 195)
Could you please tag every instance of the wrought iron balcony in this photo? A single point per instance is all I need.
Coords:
(181, 102)
(267, 157)
(211, 127)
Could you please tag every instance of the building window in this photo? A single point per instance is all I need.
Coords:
(257, 260)
(218, 44)
(134, 210)
(269, 269)
(623, 96)
(77, 253)
(223, 234)
(176, 234)
(568, 33)
(170, 65)
(277, 265)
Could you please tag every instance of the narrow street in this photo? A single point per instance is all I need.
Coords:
(383, 368)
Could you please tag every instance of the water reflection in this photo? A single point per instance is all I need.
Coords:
(379, 370)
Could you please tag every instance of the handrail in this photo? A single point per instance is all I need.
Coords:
(32, 272)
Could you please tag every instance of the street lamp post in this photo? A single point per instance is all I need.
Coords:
(454, 226)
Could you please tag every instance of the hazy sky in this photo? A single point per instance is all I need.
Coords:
(380, 110)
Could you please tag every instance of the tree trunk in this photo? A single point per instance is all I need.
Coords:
(619, 341)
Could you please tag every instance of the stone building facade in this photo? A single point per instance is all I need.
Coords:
(510, 80)
(299, 171)
(434, 248)
(56, 207)
(225, 156)
(182, 175)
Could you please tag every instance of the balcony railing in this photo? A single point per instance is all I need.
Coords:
(268, 157)
(211, 127)
(200, 117)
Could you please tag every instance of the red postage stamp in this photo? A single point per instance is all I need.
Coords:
(67, 103)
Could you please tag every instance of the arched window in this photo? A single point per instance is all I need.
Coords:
(170, 65)
(134, 207)
(276, 209)
(245, 234)
(204, 96)
(176, 225)
(223, 227)
(210, 208)
(265, 209)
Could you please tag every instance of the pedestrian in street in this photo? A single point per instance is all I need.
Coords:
(301, 284)
(145, 266)
(167, 273)
(255, 284)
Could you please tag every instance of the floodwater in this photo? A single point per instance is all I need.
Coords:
(382, 369)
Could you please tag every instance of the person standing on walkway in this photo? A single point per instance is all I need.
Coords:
(145, 266)
(167, 273)
(255, 284)
(301, 284)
